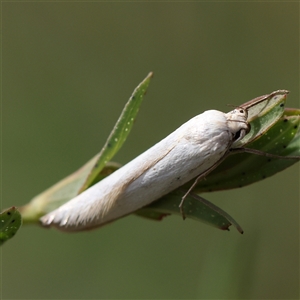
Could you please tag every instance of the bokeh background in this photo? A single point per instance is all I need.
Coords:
(68, 68)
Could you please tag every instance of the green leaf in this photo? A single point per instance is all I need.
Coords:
(195, 207)
(119, 133)
(95, 169)
(263, 113)
(10, 222)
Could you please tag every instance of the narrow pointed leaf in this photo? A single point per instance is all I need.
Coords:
(119, 133)
(259, 106)
(194, 207)
(263, 112)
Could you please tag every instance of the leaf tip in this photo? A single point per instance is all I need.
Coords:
(150, 75)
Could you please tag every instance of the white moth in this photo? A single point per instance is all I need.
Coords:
(193, 149)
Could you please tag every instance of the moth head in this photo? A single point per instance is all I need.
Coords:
(237, 123)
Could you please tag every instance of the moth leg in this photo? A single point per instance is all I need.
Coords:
(200, 177)
(262, 153)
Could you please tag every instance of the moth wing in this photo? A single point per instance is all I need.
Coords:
(84, 209)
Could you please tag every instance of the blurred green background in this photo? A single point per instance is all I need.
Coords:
(68, 68)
